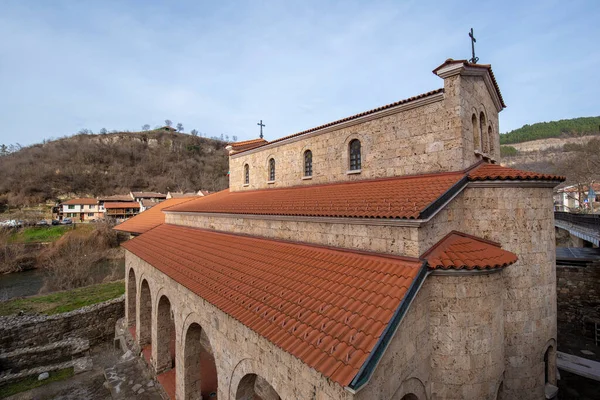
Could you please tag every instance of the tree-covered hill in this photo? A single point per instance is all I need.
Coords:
(562, 128)
(105, 164)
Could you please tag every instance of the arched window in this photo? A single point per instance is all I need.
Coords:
(308, 163)
(355, 157)
(476, 137)
(491, 139)
(482, 132)
(272, 169)
(246, 174)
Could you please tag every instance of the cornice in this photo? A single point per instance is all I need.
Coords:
(512, 184)
(434, 98)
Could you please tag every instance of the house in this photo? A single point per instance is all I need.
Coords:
(153, 196)
(386, 255)
(179, 195)
(80, 210)
(151, 218)
(121, 210)
(571, 198)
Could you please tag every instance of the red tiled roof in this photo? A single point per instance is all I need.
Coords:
(403, 197)
(124, 204)
(247, 144)
(85, 201)
(461, 251)
(149, 195)
(468, 64)
(117, 197)
(326, 307)
(362, 114)
(400, 197)
(486, 172)
(151, 218)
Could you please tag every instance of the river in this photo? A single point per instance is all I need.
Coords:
(29, 283)
(19, 284)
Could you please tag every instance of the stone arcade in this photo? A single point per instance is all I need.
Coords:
(382, 256)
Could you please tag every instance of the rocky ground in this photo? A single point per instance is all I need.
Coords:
(113, 376)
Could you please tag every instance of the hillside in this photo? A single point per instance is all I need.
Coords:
(94, 165)
(554, 129)
(576, 158)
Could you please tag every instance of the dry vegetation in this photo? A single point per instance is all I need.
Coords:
(81, 258)
(94, 165)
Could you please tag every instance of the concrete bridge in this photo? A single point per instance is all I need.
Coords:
(585, 227)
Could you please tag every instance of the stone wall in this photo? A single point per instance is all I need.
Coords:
(521, 219)
(467, 333)
(578, 297)
(405, 365)
(399, 240)
(94, 323)
(414, 141)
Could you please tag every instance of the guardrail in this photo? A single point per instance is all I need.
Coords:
(587, 220)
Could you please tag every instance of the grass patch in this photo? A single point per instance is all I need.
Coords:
(32, 382)
(39, 234)
(60, 302)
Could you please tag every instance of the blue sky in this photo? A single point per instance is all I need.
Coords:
(219, 67)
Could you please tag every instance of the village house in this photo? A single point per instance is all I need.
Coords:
(81, 210)
(386, 255)
(574, 197)
(152, 196)
(121, 210)
(179, 195)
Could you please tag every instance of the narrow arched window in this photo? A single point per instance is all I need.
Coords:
(308, 163)
(482, 132)
(246, 174)
(476, 136)
(272, 169)
(355, 157)
(491, 139)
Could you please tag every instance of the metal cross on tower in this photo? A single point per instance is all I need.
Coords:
(261, 126)
(473, 40)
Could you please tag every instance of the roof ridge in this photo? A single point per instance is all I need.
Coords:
(352, 117)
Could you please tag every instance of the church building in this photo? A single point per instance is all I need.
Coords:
(387, 255)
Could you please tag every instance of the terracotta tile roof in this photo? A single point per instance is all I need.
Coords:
(461, 251)
(149, 203)
(182, 195)
(247, 145)
(468, 64)
(149, 219)
(400, 197)
(324, 306)
(149, 195)
(123, 204)
(487, 172)
(117, 197)
(86, 201)
(362, 114)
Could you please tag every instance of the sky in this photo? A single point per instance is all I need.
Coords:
(220, 67)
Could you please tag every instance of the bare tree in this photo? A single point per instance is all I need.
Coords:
(234, 138)
(168, 122)
(180, 127)
(145, 127)
(103, 131)
(194, 132)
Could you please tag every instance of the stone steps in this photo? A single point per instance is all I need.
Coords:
(48, 354)
(79, 365)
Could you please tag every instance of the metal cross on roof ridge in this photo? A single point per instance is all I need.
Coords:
(261, 126)
(473, 40)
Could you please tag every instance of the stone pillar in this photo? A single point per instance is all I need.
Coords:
(467, 335)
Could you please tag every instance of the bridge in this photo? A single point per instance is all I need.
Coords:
(583, 226)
